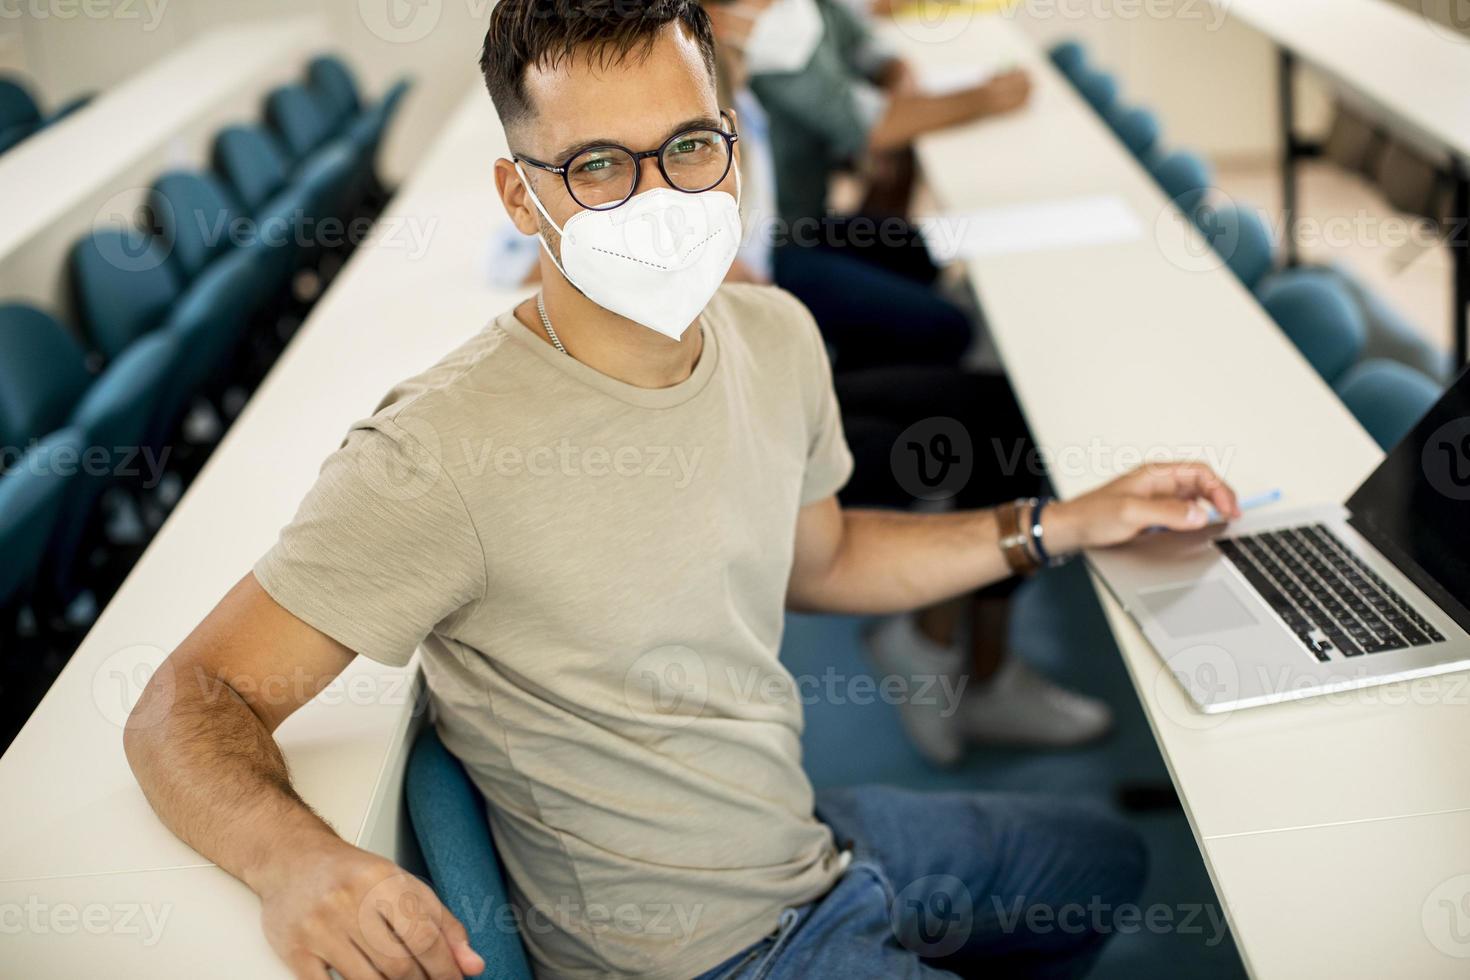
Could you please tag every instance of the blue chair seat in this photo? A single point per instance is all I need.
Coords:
(449, 821)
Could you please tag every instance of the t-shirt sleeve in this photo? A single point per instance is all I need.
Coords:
(382, 549)
(828, 460)
(821, 100)
(865, 52)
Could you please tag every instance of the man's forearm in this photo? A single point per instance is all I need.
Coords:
(910, 116)
(217, 778)
(890, 561)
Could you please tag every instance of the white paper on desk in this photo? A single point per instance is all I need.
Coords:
(1103, 219)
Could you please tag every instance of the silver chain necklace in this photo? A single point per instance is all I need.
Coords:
(546, 322)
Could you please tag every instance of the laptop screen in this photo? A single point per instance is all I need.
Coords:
(1415, 508)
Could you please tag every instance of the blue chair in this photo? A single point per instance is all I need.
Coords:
(298, 119)
(1099, 88)
(1390, 334)
(199, 222)
(32, 495)
(1185, 178)
(1243, 239)
(1387, 398)
(1137, 128)
(195, 217)
(124, 285)
(17, 106)
(43, 374)
(1320, 319)
(11, 135)
(336, 88)
(1070, 57)
(117, 412)
(253, 162)
(368, 130)
(449, 821)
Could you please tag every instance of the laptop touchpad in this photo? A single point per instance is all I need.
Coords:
(1200, 607)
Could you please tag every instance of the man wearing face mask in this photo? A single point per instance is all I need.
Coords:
(590, 520)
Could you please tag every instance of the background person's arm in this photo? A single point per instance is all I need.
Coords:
(200, 743)
(910, 115)
(868, 562)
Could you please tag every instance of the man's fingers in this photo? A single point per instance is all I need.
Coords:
(349, 960)
(471, 964)
(1166, 512)
(1187, 481)
(308, 967)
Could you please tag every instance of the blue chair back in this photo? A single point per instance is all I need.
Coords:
(1321, 319)
(210, 319)
(298, 119)
(124, 285)
(1185, 178)
(253, 163)
(1136, 127)
(116, 415)
(1099, 88)
(17, 107)
(1243, 239)
(32, 493)
(1070, 57)
(194, 215)
(449, 821)
(11, 135)
(335, 86)
(43, 374)
(1388, 398)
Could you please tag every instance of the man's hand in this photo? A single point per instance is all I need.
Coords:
(342, 907)
(1176, 496)
(1005, 92)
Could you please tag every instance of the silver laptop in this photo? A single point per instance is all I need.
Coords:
(1275, 607)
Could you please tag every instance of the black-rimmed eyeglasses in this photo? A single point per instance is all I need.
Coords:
(601, 178)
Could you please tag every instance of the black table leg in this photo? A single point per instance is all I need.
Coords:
(1460, 252)
(1286, 82)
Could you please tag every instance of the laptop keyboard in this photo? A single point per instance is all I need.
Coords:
(1329, 598)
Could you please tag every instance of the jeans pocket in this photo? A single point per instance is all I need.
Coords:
(789, 920)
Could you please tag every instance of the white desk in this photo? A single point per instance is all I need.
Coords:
(1141, 347)
(1404, 68)
(75, 830)
(96, 164)
(1402, 65)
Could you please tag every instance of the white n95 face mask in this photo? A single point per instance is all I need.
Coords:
(784, 37)
(656, 260)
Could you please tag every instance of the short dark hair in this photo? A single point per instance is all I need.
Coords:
(528, 33)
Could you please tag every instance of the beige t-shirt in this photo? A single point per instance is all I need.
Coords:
(596, 575)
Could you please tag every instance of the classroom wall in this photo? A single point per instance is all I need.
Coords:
(1211, 79)
(66, 47)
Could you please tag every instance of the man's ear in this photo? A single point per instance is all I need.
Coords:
(515, 199)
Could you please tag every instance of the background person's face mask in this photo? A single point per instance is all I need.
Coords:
(783, 37)
(656, 260)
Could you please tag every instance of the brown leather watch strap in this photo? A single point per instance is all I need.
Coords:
(1014, 539)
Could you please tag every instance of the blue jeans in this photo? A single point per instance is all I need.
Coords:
(875, 304)
(955, 884)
